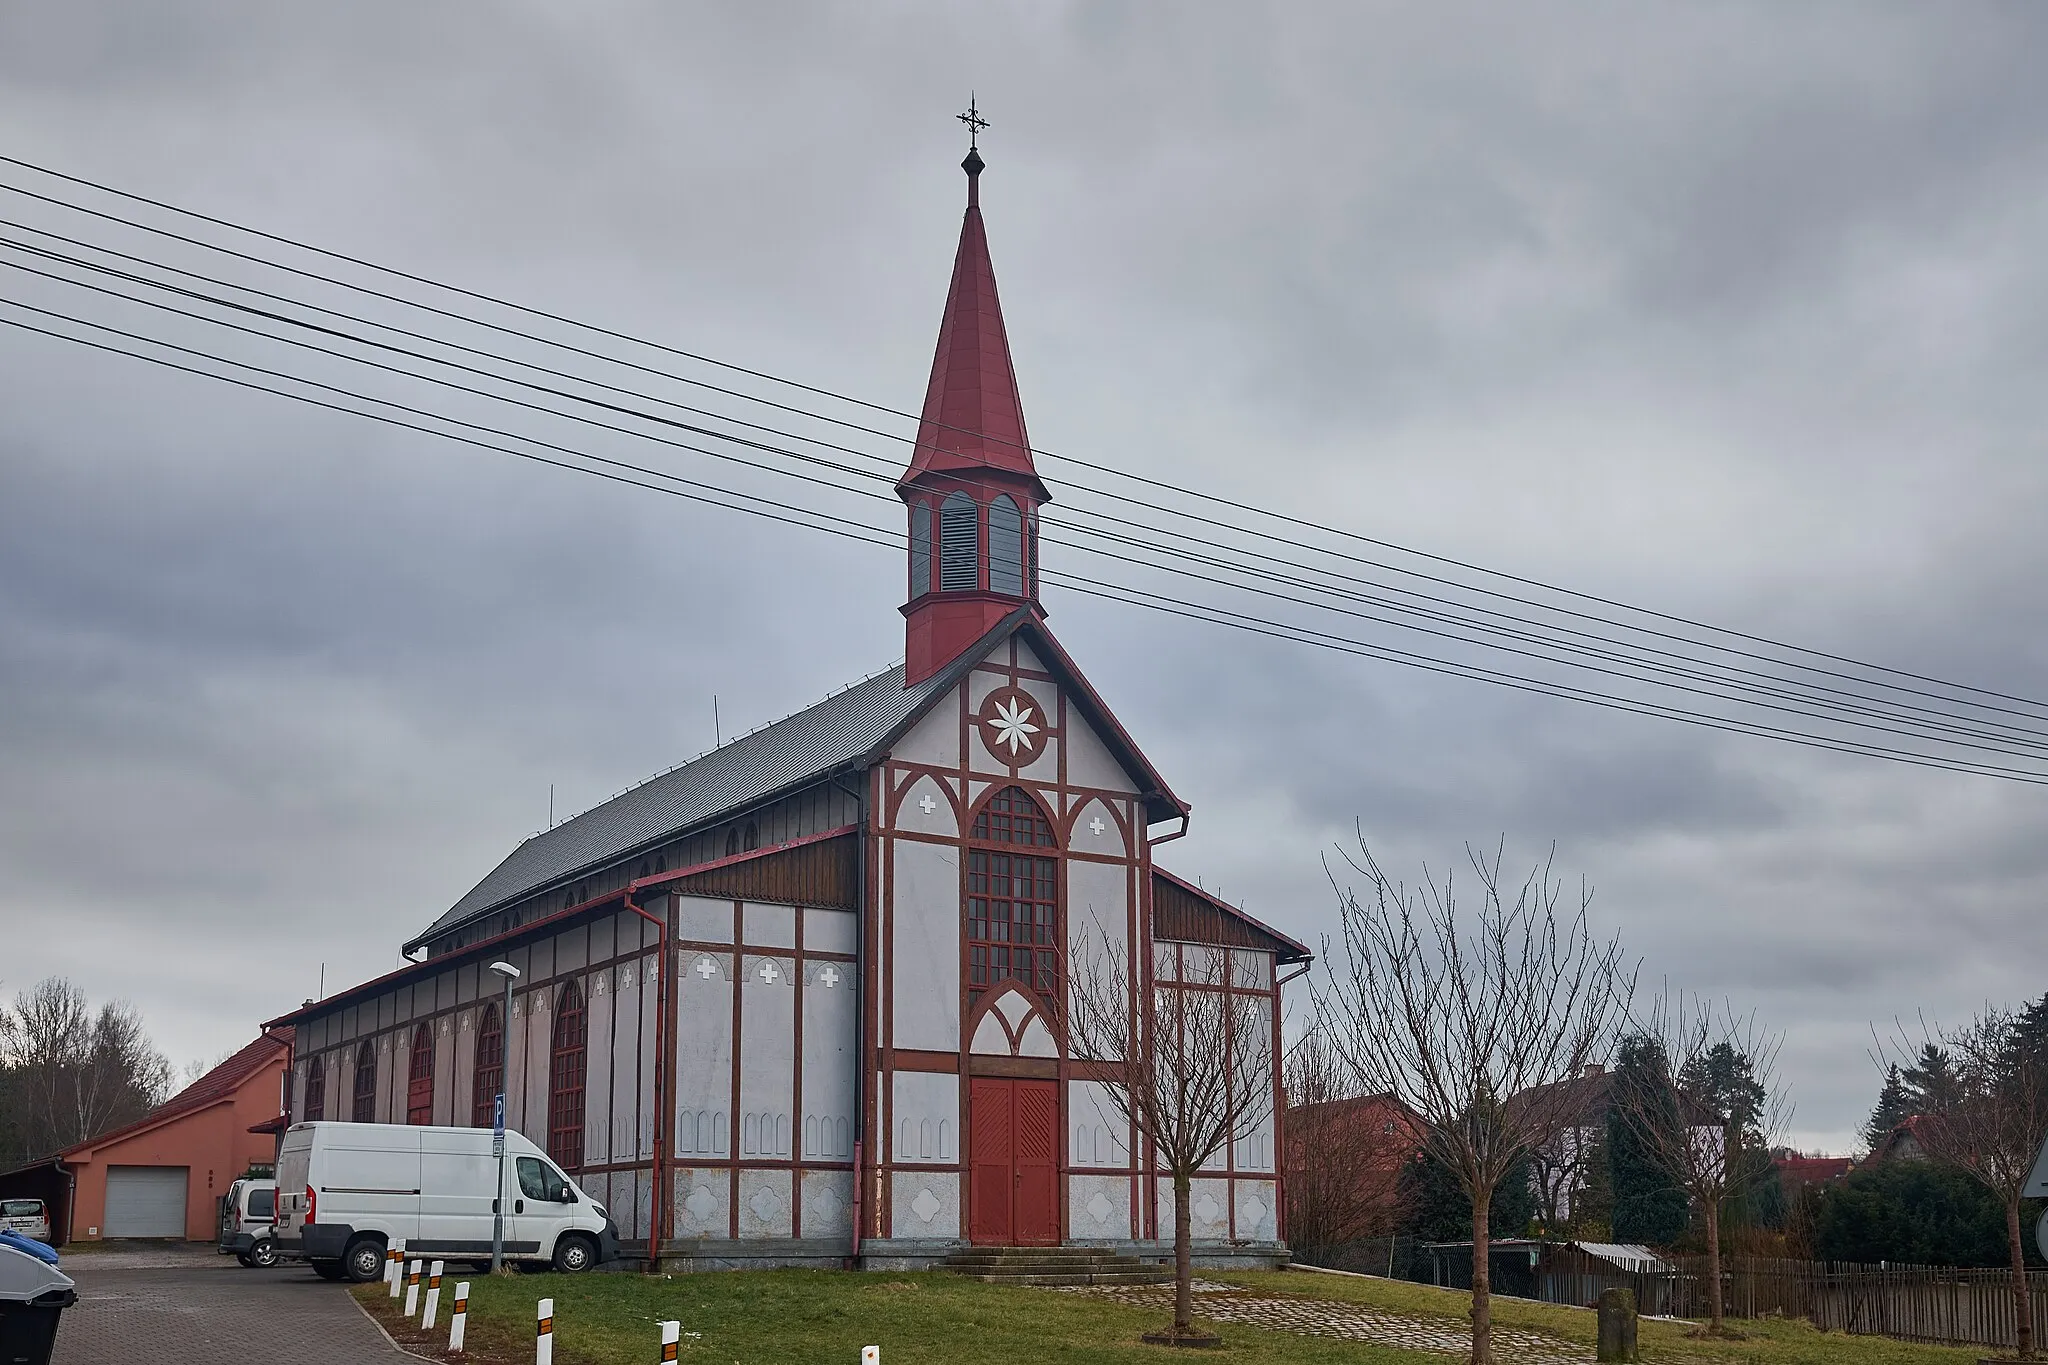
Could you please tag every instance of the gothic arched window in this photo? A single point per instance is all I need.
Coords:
(920, 549)
(567, 1068)
(959, 544)
(419, 1078)
(1005, 547)
(1013, 921)
(364, 1108)
(490, 1069)
(316, 1091)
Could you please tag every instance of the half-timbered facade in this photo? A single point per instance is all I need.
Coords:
(804, 999)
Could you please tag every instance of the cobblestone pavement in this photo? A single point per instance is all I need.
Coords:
(195, 1313)
(1345, 1321)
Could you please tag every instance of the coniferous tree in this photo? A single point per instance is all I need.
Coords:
(1894, 1106)
(1932, 1086)
(1650, 1207)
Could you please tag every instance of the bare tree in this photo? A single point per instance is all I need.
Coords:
(1708, 1118)
(1189, 1068)
(1473, 1018)
(1992, 1126)
(76, 1073)
(1343, 1152)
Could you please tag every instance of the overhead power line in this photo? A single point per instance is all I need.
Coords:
(816, 391)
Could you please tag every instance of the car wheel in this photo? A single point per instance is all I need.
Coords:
(574, 1254)
(364, 1260)
(329, 1270)
(243, 1257)
(263, 1255)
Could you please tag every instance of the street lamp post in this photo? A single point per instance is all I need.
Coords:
(511, 974)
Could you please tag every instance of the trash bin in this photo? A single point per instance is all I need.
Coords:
(33, 1294)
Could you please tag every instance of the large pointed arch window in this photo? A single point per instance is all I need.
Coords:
(419, 1078)
(490, 1069)
(959, 544)
(1005, 547)
(568, 1065)
(316, 1091)
(364, 1108)
(1013, 922)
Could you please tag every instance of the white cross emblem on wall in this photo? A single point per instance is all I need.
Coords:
(927, 804)
(830, 976)
(1096, 825)
(706, 968)
(768, 973)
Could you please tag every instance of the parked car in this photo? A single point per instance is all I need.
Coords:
(247, 1214)
(29, 1217)
(348, 1190)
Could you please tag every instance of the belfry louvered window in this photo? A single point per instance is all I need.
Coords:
(364, 1109)
(566, 1072)
(920, 549)
(1005, 547)
(959, 544)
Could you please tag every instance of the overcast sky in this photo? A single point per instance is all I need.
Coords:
(1735, 311)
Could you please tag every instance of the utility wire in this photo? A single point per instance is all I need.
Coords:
(1140, 597)
(1212, 499)
(1892, 710)
(1924, 730)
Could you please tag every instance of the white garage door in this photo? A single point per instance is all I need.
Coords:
(146, 1201)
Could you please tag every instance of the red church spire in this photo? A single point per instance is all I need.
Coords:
(973, 491)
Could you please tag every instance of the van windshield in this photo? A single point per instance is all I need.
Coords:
(538, 1180)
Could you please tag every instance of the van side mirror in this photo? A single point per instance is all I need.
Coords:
(568, 1195)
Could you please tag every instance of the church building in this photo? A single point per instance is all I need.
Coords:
(802, 1000)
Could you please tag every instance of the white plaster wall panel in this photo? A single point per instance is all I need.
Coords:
(1255, 1150)
(391, 1078)
(767, 1056)
(465, 1066)
(572, 948)
(643, 1202)
(1045, 693)
(598, 1071)
(1098, 916)
(1095, 830)
(701, 1203)
(1258, 1203)
(448, 1098)
(703, 921)
(704, 1057)
(1201, 964)
(1089, 762)
(540, 1039)
(770, 926)
(1037, 1040)
(1099, 1207)
(1028, 659)
(924, 1205)
(767, 1202)
(650, 994)
(925, 1117)
(1045, 768)
(939, 819)
(927, 945)
(1251, 970)
(934, 740)
(1165, 961)
(1099, 1135)
(604, 933)
(831, 931)
(979, 685)
(828, 1071)
(625, 1060)
(542, 963)
(466, 982)
(990, 1038)
(1208, 1209)
(828, 1203)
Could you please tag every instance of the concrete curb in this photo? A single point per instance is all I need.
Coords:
(388, 1339)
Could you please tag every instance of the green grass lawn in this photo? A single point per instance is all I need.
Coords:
(798, 1317)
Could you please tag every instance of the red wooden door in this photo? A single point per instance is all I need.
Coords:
(1013, 1131)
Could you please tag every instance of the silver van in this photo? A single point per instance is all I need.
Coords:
(248, 1222)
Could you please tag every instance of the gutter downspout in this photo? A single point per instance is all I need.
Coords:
(659, 1203)
(860, 1019)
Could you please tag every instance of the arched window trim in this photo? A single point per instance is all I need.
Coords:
(419, 1077)
(489, 1076)
(568, 1070)
(1006, 546)
(959, 543)
(921, 548)
(1014, 848)
(363, 1105)
(316, 1091)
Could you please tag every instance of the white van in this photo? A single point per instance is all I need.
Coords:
(346, 1191)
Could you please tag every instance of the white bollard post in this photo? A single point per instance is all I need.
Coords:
(433, 1297)
(394, 1266)
(670, 1332)
(412, 1289)
(459, 1319)
(544, 1334)
(870, 1355)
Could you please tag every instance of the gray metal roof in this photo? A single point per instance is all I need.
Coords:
(839, 730)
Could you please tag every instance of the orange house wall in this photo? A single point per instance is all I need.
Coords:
(214, 1142)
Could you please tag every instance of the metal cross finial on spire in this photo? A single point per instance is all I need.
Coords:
(975, 123)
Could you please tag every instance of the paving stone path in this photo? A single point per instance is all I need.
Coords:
(1346, 1322)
